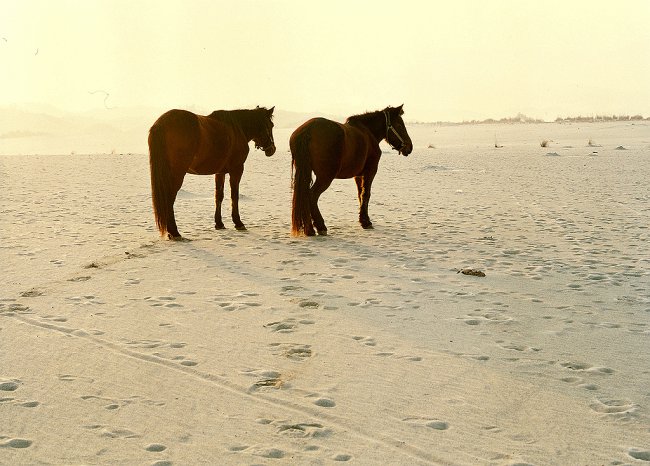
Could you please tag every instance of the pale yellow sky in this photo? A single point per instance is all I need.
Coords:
(446, 60)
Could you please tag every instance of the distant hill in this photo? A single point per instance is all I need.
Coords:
(30, 132)
(521, 118)
(46, 130)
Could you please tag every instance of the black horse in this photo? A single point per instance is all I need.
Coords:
(333, 150)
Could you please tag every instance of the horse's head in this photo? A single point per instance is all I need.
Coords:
(396, 134)
(264, 139)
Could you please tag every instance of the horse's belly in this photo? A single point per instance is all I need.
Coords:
(352, 166)
(206, 165)
(344, 174)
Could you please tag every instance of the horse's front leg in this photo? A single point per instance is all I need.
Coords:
(235, 178)
(364, 185)
(219, 180)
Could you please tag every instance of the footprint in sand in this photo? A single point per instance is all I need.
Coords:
(9, 385)
(163, 301)
(107, 403)
(472, 321)
(238, 448)
(237, 305)
(480, 316)
(271, 453)
(520, 348)
(308, 304)
(112, 432)
(434, 424)
(150, 344)
(286, 288)
(155, 447)
(82, 278)
(145, 344)
(24, 404)
(266, 379)
(583, 366)
(578, 381)
(189, 363)
(643, 455)
(437, 425)
(368, 341)
(325, 403)
(294, 351)
(34, 292)
(74, 378)
(288, 325)
(575, 366)
(86, 300)
(285, 326)
(614, 407)
(182, 360)
(29, 404)
(302, 430)
(6, 442)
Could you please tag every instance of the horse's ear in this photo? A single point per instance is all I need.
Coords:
(271, 110)
(401, 109)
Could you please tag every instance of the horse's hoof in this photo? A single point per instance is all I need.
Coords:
(219, 226)
(310, 233)
(174, 237)
(322, 232)
(367, 226)
(240, 227)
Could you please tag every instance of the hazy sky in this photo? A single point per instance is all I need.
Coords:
(445, 60)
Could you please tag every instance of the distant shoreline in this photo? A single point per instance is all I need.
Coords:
(523, 119)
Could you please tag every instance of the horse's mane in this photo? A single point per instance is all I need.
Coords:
(363, 117)
(242, 117)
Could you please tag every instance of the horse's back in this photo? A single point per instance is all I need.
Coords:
(177, 119)
(317, 128)
(324, 135)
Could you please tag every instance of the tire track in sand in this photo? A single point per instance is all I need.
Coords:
(396, 445)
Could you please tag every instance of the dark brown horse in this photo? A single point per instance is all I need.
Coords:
(333, 150)
(182, 142)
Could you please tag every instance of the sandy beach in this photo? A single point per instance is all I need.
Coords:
(365, 347)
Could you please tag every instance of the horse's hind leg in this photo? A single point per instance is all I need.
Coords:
(320, 185)
(235, 178)
(172, 228)
(219, 180)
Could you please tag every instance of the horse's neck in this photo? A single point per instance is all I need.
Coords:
(239, 119)
(375, 126)
(247, 124)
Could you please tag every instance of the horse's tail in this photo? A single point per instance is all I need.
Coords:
(301, 164)
(161, 178)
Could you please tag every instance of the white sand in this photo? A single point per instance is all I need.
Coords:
(364, 346)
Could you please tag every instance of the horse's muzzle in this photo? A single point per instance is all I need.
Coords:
(269, 151)
(406, 149)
